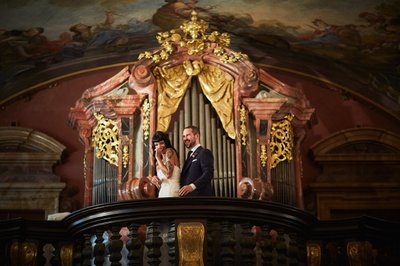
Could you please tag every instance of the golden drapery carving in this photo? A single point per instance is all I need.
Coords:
(172, 84)
(216, 84)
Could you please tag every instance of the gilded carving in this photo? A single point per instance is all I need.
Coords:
(84, 166)
(190, 241)
(195, 40)
(24, 253)
(66, 253)
(125, 155)
(216, 84)
(243, 121)
(172, 84)
(313, 254)
(263, 155)
(359, 253)
(105, 137)
(146, 118)
(281, 144)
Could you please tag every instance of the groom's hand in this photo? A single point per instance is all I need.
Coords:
(185, 190)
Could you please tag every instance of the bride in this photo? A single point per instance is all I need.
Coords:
(167, 166)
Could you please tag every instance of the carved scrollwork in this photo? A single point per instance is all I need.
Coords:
(195, 40)
(281, 144)
(105, 138)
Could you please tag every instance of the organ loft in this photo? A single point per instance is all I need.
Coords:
(251, 122)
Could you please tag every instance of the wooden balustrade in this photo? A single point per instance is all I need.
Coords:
(230, 232)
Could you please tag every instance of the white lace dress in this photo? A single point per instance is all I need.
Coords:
(169, 186)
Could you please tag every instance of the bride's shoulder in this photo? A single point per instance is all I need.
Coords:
(171, 155)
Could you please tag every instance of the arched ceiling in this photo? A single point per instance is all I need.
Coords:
(350, 45)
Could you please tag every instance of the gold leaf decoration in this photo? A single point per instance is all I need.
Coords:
(281, 141)
(195, 40)
(105, 138)
(146, 118)
(243, 121)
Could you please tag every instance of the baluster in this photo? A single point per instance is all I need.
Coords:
(302, 249)
(134, 246)
(153, 243)
(48, 250)
(266, 246)
(55, 259)
(227, 243)
(39, 256)
(77, 259)
(247, 244)
(213, 243)
(87, 250)
(281, 248)
(99, 248)
(171, 243)
(293, 251)
(115, 246)
(210, 243)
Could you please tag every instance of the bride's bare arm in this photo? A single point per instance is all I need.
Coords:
(167, 167)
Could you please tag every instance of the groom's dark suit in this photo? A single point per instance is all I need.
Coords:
(198, 169)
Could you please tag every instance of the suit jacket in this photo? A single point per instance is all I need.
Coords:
(199, 170)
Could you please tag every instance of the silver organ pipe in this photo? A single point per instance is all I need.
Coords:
(201, 120)
(105, 181)
(214, 149)
(187, 109)
(283, 181)
(219, 161)
(195, 106)
(233, 170)
(208, 127)
(224, 165)
(180, 143)
(197, 110)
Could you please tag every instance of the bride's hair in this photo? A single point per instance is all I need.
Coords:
(162, 136)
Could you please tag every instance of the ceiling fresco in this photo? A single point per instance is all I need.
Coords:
(352, 44)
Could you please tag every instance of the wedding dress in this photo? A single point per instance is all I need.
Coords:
(169, 186)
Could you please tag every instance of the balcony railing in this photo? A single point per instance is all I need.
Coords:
(198, 231)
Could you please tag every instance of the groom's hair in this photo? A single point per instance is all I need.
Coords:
(194, 129)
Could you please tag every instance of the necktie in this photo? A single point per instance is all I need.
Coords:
(188, 156)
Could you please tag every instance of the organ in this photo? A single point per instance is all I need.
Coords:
(252, 122)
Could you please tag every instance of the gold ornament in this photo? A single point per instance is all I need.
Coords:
(105, 137)
(146, 118)
(281, 141)
(195, 40)
(243, 120)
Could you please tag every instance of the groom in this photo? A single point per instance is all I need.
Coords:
(198, 169)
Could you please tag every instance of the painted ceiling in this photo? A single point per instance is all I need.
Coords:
(353, 45)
